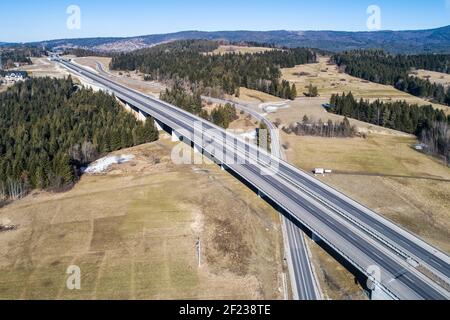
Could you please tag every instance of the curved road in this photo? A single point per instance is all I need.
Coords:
(303, 281)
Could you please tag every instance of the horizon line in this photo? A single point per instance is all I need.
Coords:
(215, 31)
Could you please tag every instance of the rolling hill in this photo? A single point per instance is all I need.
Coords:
(413, 41)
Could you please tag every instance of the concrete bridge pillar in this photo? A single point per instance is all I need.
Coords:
(176, 136)
(158, 125)
(142, 116)
(197, 150)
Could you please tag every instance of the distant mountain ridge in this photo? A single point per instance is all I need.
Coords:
(413, 41)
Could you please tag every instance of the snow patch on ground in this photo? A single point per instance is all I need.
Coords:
(101, 165)
(272, 107)
(251, 135)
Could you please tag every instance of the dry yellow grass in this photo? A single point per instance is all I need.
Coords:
(312, 108)
(41, 67)
(133, 231)
(367, 170)
(254, 96)
(243, 124)
(327, 78)
(92, 62)
(382, 154)
(436, 77)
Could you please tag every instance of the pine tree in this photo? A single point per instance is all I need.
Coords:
(150, 132)
(63, 169)
(312, 91)
(116, 142)
(293, 92)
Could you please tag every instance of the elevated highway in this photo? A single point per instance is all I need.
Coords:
(358, 235)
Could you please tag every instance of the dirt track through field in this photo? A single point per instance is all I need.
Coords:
(387, 175)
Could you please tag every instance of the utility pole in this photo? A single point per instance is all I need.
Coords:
(198, 247)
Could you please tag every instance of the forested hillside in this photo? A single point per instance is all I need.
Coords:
(411, 41)
(49, 129)
(221, 116)
(381, 67)
(430, 125)
(18, 54)
(187, 60)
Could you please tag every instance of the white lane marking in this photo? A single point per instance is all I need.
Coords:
(376, 255)
(406, 277)
(440, 265)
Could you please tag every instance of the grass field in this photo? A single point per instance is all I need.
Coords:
(254, 96)
(41, 67)
(436, 77)
(327, 78)
(92, 62)
(133, 233)
(368, 170)
(312, 108)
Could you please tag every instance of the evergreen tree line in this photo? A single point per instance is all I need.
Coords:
(189, 61)
(19, 54)
(79, 52)
(381, 67)
(178, 96)
(222, 116)
(436, 139)
(427, 123)
(49, 129)
(319, 128)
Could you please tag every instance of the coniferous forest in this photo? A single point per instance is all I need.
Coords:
(18, 54)
(49, 129)
(381, 67)
(430, 125)
(191, 62)
(177, 95)
(319, 128)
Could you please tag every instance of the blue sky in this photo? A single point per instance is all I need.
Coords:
(31, 20)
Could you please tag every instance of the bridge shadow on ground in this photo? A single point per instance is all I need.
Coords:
(360, 278)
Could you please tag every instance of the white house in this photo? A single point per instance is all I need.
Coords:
(13, 77)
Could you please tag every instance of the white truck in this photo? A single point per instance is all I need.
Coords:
(319, 171)
(322, 171)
